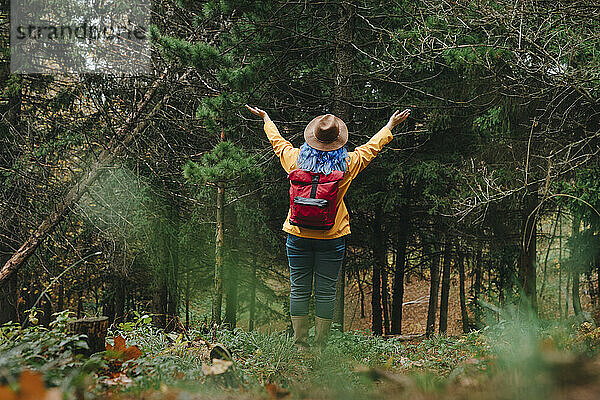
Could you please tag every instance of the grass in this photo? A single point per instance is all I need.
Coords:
(516, 358)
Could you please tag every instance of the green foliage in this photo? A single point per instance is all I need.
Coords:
(585, 192)
(198, 55)
(225, 163)
(12, 86)
(54, 352)
(492, 124)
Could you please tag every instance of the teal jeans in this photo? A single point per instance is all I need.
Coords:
(318, 259)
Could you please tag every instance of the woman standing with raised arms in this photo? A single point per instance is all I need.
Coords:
(320, 172)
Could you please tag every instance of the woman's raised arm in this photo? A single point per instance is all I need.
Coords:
(286, 152)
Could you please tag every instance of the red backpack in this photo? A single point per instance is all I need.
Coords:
(313, 198)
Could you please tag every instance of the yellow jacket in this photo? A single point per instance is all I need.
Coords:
(357, 161)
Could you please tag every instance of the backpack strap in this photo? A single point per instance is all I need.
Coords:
(315, 183)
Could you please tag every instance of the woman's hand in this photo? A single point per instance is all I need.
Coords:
(261, 113)
(397, 117)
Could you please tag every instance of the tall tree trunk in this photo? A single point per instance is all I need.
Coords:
(159, 296)
(527, 260)
(361, 293)
(478, 287)
(503, 278)
(120, 293)
(217, 299)
(445, 289)
(567, 293)
(560, 269)
(462, 293)
(342, 88)
(400, 261)
(218, 277)
(8, 299)
(384, 298)
(378, 264)
(434, 270)
(596, 311)
(61, 297)
(576, 270)
(79, 305)
(590, 283)
(342, 96)
(172, 250)
(550, 241)
(187, 299)
(398, 285)
(575, 294)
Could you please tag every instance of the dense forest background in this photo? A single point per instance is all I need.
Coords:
(161, 193)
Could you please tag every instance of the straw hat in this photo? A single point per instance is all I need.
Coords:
(326, 132)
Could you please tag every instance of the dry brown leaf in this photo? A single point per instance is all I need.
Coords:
(276, 392)
(53, 394)
(123, 352)
(7, 393)
(31, 386)
(118, 379)
(218, 367)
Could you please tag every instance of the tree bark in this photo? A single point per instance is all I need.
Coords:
(478, 287)
(218, 278)
(434, 270)
(463, 298)
(398, 285)
(443, 328)
(120, 294)
(342, 89)
(187, 299)
(172, 250)
(159, 295)
(95, 329)
(384, 298)
(567, 293)
(362, 295)
(342, 95)
(550, 241)
(400, 262)
(8, 299)
(576, 270)
(527, 258)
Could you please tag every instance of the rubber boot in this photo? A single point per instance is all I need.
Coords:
(322, 328)
(300, 325)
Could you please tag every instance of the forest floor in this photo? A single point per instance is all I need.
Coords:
(414, 310)
(517, 358)
(416, 296)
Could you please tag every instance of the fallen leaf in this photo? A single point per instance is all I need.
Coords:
(31, 386)
(218, 367)
(7, 393)
(53, 394)
(276, 392)
(122, 351)
(118, 379)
